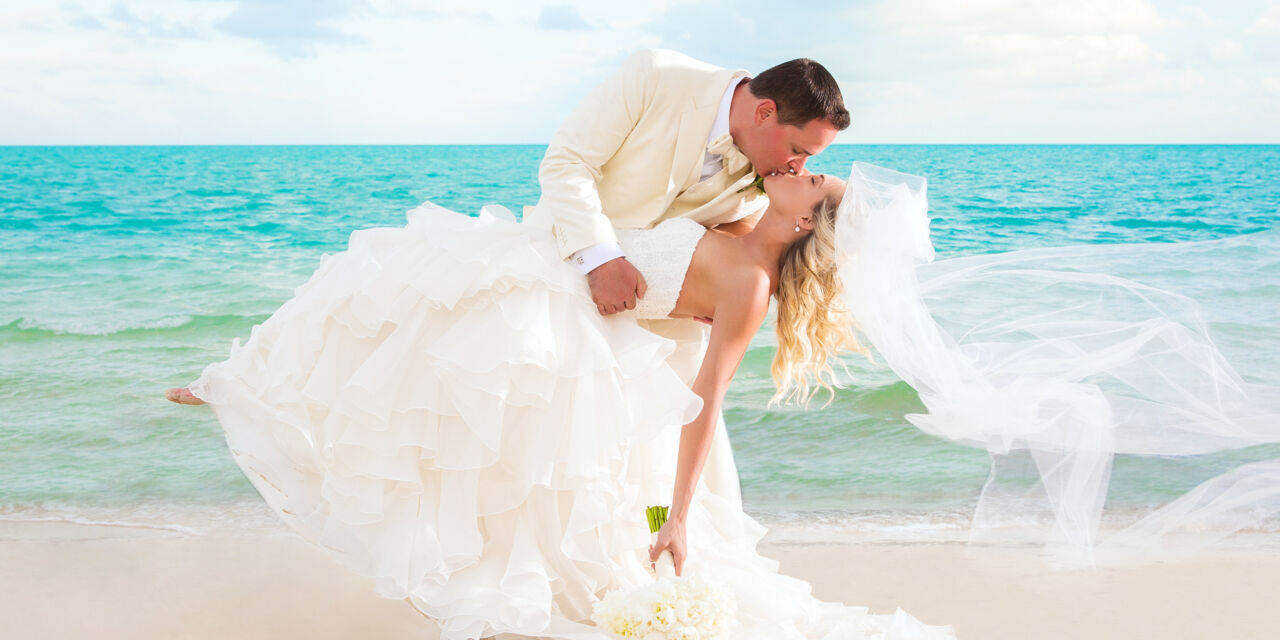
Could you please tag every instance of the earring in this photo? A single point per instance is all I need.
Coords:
(797, 227)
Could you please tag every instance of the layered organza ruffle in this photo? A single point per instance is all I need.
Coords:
(441, 407)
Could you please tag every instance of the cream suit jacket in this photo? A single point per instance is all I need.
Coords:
(630, 155)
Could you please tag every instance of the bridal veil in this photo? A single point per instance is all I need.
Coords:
(1059, 369)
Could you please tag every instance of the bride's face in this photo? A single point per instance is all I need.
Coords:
(795, 196)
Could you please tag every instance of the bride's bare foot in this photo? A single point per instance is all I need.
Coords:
(182, 396)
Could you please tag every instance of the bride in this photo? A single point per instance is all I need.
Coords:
(443, 409)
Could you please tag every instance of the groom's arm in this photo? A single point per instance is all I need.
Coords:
(570, 173)
(588, 138)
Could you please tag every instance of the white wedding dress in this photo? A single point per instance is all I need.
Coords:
(442, 408)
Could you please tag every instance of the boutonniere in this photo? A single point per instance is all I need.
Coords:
(758, 183)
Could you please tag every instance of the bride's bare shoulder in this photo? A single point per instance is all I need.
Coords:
(746, 285)
(737, 273)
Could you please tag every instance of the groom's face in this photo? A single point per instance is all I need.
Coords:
(784, 148)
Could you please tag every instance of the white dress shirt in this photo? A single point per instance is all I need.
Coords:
(588, 259)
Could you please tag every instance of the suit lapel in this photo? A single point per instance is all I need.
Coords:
(691, 146)
(695, 125)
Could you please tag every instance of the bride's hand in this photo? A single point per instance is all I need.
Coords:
(670, 538)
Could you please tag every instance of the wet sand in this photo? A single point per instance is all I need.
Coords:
(67, 580)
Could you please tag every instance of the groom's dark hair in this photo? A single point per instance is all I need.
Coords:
(803, 90)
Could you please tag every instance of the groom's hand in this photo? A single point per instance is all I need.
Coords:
(615, 285)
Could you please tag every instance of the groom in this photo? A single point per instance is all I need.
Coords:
(669, 136)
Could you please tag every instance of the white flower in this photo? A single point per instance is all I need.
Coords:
(663, 617)
(677, 608)
(684, 613)
(685, 633)
(665, 589)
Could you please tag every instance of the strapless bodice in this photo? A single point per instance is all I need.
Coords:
(662, 254)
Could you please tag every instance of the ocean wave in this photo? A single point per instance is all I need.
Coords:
(111, 327)
(177, 528)
(183, 519)
(945, 525)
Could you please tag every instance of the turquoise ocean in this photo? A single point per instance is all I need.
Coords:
(125, 270)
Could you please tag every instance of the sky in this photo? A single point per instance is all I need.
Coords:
(508, 72)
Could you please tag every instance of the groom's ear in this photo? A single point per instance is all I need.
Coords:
(765, 109)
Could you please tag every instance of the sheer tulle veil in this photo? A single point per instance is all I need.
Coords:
(1056, 385)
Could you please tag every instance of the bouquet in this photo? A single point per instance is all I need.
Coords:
(672, 607)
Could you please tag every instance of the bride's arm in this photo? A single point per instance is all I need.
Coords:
(740, 310)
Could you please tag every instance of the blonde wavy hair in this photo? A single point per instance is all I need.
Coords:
(813, 324)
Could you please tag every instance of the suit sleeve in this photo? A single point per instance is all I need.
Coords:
(570, 172)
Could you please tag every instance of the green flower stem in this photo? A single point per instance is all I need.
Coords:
(758, 183)
(657, 515)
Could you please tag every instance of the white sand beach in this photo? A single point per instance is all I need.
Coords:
(66, 580)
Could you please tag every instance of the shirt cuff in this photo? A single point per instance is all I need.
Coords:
(595, 255)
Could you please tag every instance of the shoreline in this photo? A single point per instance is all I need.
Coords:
(68, 580)
(250, 516)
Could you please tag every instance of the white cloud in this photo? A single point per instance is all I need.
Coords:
(1268, 22)
(563, 17)
(1190, 80)
(1017, 41)
(1038, 16)
(394, 72)
(144, 27)
(1226, 50)
(1022, 56)
(1192, 15)
(417, 71)
(291, 27)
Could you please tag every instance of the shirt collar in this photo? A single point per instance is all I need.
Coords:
(721, 125)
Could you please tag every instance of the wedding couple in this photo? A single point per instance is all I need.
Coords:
(475, 412)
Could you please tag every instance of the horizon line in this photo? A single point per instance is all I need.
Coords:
(543, 144)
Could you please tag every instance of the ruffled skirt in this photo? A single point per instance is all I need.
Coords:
(442, 408)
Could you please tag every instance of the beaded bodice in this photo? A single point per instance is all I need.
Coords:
(662, 254)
